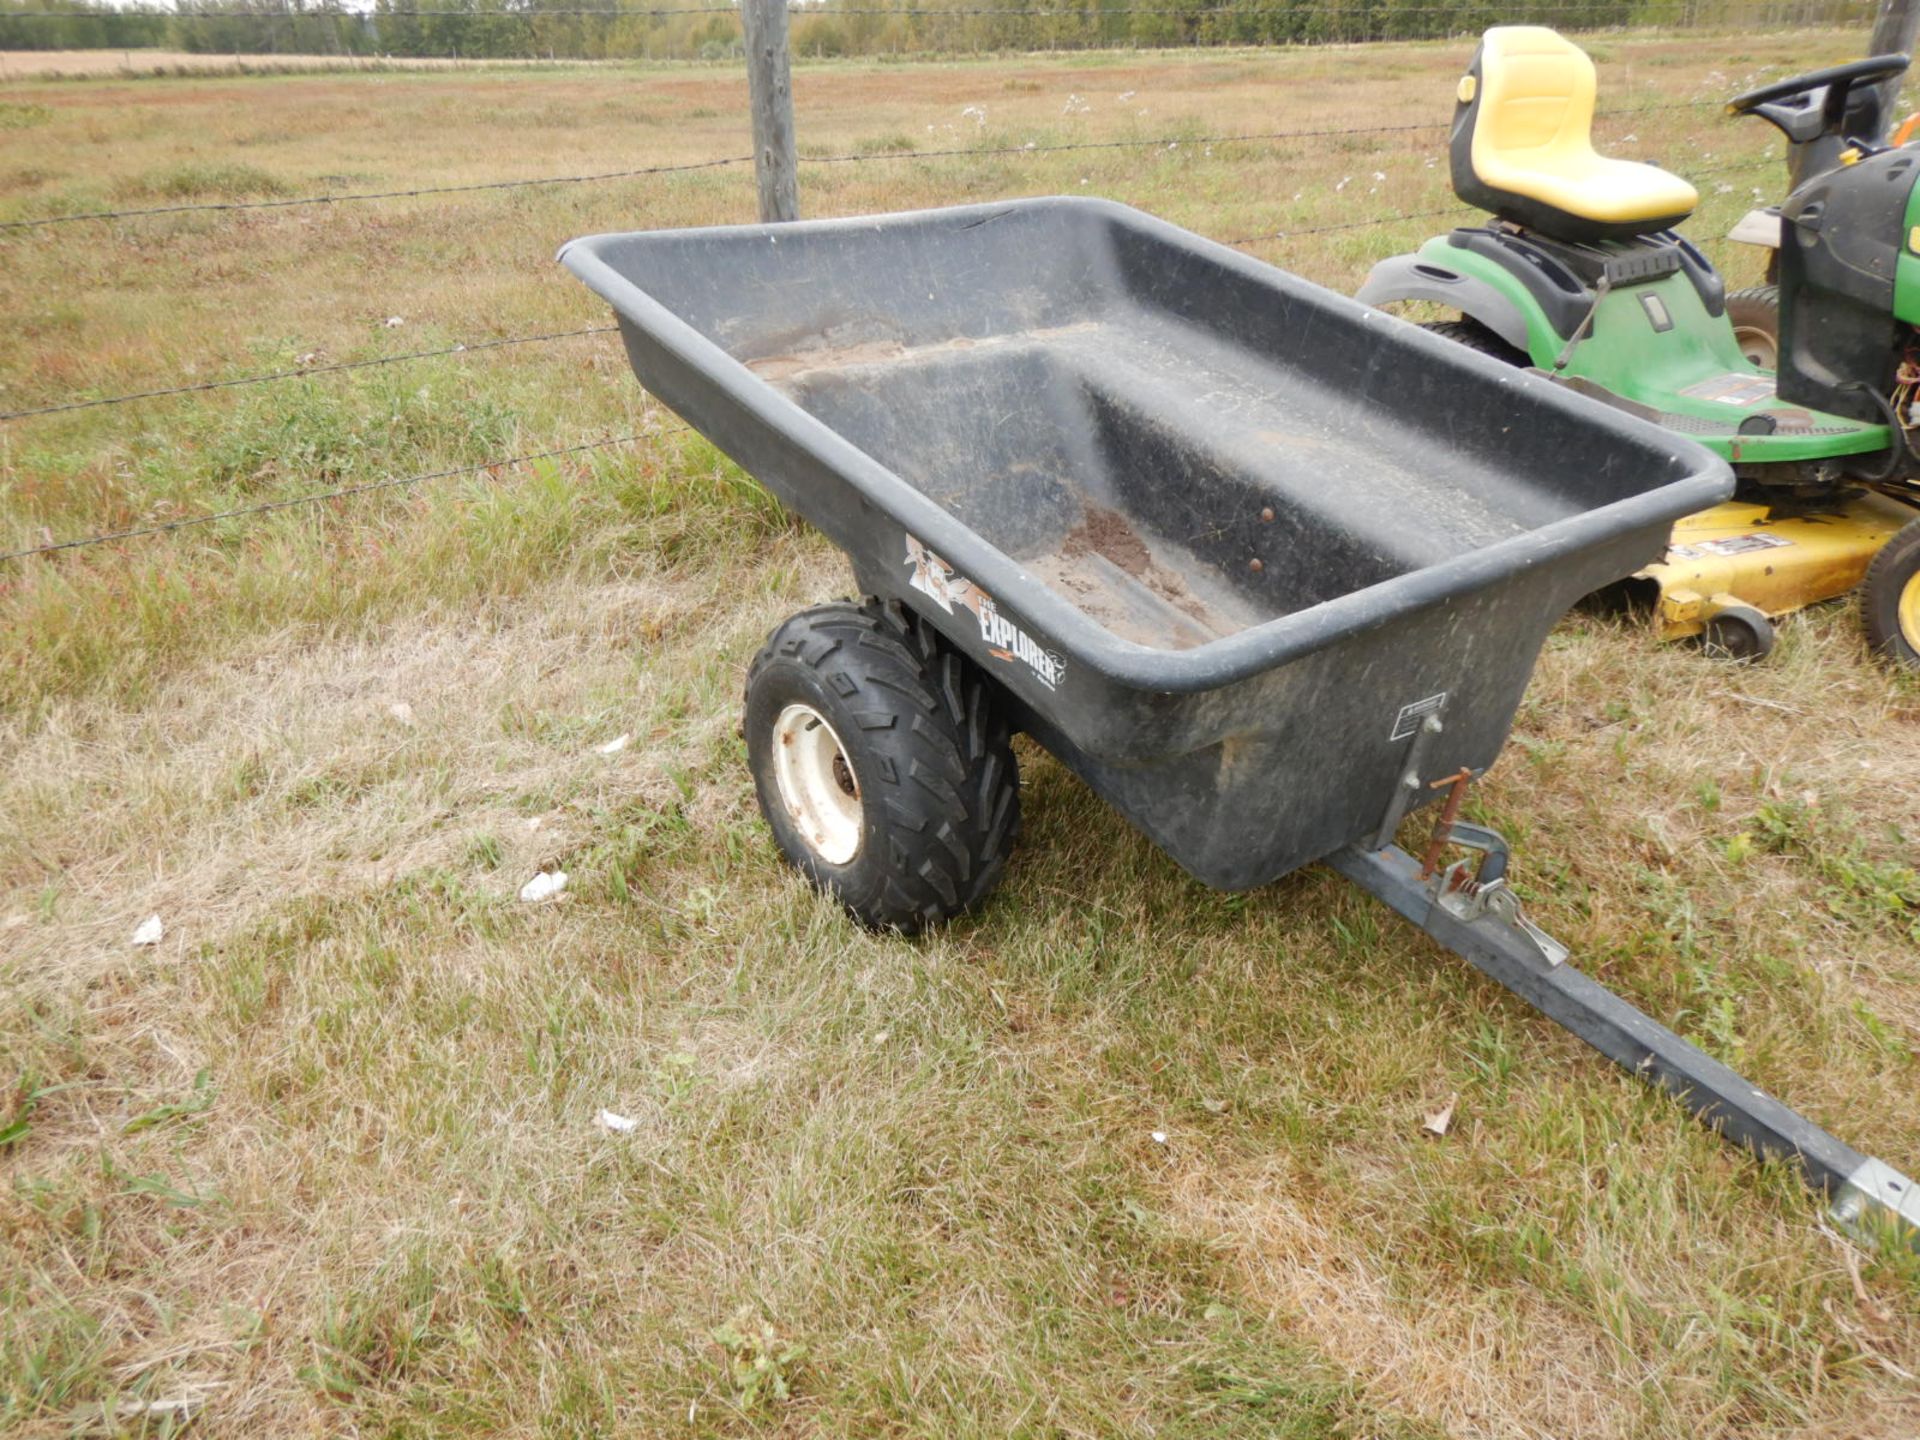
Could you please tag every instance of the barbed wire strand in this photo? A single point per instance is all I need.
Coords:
(1176, 141)
(303, 371)
(393, 482)
(46, 221)
(349, 196)
(231, 205)
(475, 347)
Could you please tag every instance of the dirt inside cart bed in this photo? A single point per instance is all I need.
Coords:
(1174, 488)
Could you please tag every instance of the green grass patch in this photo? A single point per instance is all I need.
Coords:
(224, 181)
(16, 116)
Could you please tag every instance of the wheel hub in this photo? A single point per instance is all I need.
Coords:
(1759, 346)
(1907, 609)
(817, 785)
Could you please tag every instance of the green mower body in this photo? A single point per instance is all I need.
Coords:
(1660, 346)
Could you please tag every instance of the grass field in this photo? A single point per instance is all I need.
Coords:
(325, 1160)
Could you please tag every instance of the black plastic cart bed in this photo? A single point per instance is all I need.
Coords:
(1267, 568)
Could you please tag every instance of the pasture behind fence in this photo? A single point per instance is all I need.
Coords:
(778, 174)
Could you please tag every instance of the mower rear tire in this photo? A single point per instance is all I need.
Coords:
(883, 763)
(1475, 336)
(1755, 316)
(1890, 598)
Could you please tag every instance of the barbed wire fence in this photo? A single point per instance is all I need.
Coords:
(25, 229)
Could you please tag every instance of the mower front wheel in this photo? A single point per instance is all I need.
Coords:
(883, 763)
(1890, 598)
(1755, 316)
(1739, 632)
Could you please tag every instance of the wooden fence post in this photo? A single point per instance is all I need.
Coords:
(770, 92)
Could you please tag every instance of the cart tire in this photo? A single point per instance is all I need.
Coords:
(1890, 598)
(883, 762)
(1475, 336)
(1739, 633)
(1755, 316)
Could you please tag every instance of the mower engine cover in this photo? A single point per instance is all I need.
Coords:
(1846, 249)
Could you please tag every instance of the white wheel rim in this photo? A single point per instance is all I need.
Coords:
(817, 784)
(1759, 346)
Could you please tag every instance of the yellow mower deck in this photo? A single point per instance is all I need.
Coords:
(1734, 555)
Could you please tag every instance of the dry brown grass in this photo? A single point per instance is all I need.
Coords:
(1496, 1363)
(389, 1212)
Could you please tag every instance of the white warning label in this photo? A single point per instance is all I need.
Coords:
(1743, 544)
(1732, 389)
(1410, 716)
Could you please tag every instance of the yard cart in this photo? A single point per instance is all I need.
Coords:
(1268, 569)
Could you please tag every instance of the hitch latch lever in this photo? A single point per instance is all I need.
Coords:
(1474, 891)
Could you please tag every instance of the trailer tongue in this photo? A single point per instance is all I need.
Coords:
(1862, 1192)
(1266, 568)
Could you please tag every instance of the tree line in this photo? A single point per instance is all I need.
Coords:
(710, 29)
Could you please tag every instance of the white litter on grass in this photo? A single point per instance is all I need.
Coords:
(181, 1407)
(617, 1124)
(613, 746)
(1437, 1122)
(394, 322)
(535, 823)
(149, 931)
(401, 711)
(1159, 1137)
(544, 886)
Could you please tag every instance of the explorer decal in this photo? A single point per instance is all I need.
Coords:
(937, 580)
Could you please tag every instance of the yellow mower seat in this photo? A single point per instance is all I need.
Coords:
(1522, 145)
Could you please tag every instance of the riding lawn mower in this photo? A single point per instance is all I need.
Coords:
(1581, 274)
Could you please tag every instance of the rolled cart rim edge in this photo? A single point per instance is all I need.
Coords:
(1219, 662)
